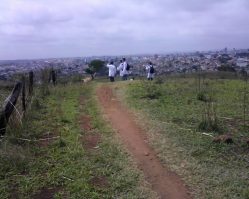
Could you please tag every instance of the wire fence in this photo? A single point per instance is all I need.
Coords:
(15, 105)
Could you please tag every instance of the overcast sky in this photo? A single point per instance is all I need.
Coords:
(68, 28)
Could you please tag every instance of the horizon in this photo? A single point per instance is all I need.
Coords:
(119, 55)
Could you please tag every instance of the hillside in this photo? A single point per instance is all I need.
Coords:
(71, 144)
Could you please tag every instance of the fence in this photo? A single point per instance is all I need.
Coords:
(16, 104)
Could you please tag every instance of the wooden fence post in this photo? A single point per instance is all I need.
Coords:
(52, 76)
(23, 94)
(2, 122)
(9, 107)
(31, 82)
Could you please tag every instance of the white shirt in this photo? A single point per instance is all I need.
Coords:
(150, 75)
(120, 69)
(125, 72)
(112, 70)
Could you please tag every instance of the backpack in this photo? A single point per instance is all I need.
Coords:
(128, 67)
(152, 70)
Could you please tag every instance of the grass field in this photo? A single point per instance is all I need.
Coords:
(66, 150)
(171, 113)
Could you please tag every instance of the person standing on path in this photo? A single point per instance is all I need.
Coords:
(120, 68)
(125, 70)
(112, 71)
(151, 71)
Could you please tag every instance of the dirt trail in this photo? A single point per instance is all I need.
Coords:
(166, 183)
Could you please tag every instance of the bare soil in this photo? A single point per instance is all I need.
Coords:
(85, 122)
(165, 183)
(99, 182)
(46, 193)
(90, 141)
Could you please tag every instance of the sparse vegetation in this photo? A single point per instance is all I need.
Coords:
(174, 118)
(48, 154)
(64, 147)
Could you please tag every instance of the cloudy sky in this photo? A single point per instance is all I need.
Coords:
(68, 28)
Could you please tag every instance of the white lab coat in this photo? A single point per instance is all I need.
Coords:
(149, 75)
(125, 72)
(120, 69)
(112, 70)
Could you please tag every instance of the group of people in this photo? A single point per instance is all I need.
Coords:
(124, 70)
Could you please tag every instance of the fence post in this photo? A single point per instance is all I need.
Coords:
(53, 76)
(9, 107)
(2, 122)
(23, 94)
(31, 82)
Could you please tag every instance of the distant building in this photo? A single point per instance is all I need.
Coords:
(242, 62)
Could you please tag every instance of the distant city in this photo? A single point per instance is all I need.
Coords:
(234, 60)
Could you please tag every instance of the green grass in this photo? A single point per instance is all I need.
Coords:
(27, 167)
(171, 118)
(178, 100)
(4, 93)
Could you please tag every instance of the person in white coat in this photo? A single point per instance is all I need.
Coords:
(112, 71)
(120, 68)
(125, 71)
(151, 71)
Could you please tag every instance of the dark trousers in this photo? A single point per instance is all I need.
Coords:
(111, 79)
(125, 77)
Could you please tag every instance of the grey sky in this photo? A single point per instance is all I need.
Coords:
(63, 28)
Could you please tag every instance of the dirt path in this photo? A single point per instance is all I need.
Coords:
(166, 183)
